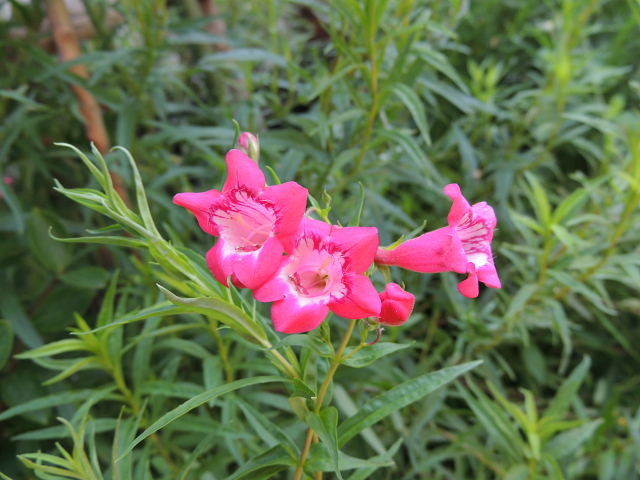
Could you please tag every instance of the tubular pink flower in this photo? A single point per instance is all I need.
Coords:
(256, 224)
(325, 272)
(464, 246)
(397, 305)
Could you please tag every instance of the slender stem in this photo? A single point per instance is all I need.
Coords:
(324, 388)
(118, 376)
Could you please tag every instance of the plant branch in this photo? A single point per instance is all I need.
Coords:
(324, 388)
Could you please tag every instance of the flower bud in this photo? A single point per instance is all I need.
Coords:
(397, 305)
(250, 145)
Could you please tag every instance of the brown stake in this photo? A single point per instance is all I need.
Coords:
(68, 47)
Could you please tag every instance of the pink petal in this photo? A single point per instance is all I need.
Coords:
(361, 301)
(294, 314)
(274, 289)
(243, 172)
(432, 252)
(220, 267)
(469, 287)
(290, 202)
(488, 275)
(485, 212)
(311, 226)
(397, 305)
(359, 244)
(200, 203)
(460, 205)
(255, 268)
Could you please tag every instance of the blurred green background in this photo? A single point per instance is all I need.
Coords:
(532, 106)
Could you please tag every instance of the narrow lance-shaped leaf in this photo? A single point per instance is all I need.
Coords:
(6, 342)
(48, 401)
(568, 390)
(414, 105)
(399, 397)
(325, 424)
(141, 196)
(195, 402)
(228, 313)
(102, 240)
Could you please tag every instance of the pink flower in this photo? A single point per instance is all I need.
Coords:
(464, 246)
(325, 272)
(397, 305)
(256, 224)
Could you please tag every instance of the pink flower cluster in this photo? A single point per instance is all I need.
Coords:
(307, 267)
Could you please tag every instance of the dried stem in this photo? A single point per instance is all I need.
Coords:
(68, 46)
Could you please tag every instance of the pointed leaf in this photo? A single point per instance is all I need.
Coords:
(195, 402)
(399, 397)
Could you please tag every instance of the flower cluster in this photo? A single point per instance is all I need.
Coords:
(307, 267)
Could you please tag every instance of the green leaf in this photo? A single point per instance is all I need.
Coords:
(226, 312)
(86, 277)
(95, 171)
(415, 106)
(416, 154)
(569, 205)
(539, 200)
(398, 397)
(267, 430)
(496, 422)
(13, 202)
(12, 310)
(74, 367)
(102, 240)
(242, 55)
(46, 402)
(325, 425)
(301, 389)
(321, 461)
(264, 465)
(568, 391)
(50, 254)
(566, 443)
(159, 309)
(99, 425)
(54, 348)
(6, 342)
(107, 308)
(370, 353)
(195, 402)
(308, 340)
(141, 196)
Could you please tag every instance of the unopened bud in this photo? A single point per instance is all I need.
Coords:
(250, 145)
(397, 305)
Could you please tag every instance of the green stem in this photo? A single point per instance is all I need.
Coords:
(324, 388)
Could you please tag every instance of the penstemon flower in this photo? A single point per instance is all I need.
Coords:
(325, 272)
(464, 246)
(255, 224)
(397, 305)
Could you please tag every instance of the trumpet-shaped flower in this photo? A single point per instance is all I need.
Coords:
(255, 224)
(324, 272)
(464, 246)
(397, 305)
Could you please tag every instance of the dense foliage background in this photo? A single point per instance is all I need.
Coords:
(529, 105)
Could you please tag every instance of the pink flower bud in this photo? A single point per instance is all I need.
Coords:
(9, 180)
(250, 145)
(397, 305)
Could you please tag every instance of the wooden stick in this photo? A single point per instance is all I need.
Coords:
(68, 46)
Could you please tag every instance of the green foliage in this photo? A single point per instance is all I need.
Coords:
(531, 106)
